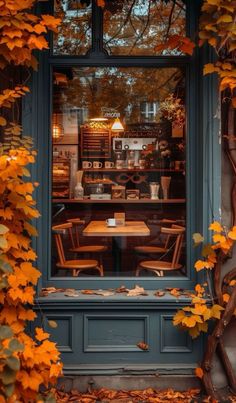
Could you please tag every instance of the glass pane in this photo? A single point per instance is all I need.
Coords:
(74, 33)
(119, 167)
(136, 27)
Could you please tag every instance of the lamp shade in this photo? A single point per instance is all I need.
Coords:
(117, 126)
(57, 127)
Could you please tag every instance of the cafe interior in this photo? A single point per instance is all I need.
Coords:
(118, 185)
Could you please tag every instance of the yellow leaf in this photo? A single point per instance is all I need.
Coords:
(225, 18)
(179, 316)
(199, 372)
(216, 227)
(203, 327)
(197, 238)
(219, 238)
(216, 311)
(209, 68)
(232, 233)
(190, 321)
(199, 289)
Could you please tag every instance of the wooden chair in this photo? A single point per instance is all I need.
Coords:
(75, 241)
(154, 249)
(160, 266)
(75, 265)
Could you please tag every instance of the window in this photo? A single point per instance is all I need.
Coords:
(121, 137)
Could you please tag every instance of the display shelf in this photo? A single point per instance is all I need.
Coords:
(120, 201)
(114, 170)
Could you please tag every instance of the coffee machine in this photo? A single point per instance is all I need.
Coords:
(132, 147)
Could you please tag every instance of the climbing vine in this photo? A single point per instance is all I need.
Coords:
(26, 361)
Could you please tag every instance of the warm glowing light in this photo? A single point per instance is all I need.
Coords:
(117, 126)
(98, 120)
(57, 128)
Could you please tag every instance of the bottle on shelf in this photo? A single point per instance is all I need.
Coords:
(79, 191)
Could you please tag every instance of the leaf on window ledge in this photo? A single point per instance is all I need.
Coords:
(159, 293)
(134, 292)
(143, 346)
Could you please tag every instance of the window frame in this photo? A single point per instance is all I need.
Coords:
(194, 178)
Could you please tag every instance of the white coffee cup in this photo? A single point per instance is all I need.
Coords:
(111, 222)
(97, 164)
(130, 164)
(120, 164)
(142, 164)
(87, 164)
(109, 164)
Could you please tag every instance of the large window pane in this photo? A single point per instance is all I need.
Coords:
(119, 147)
(74, 32)
(137, 27)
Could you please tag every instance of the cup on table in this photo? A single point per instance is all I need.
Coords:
(109, 164)
(130, 164)
(87, 164)
(142, 164)
(111, 222)
(97, 164)
(120, 164)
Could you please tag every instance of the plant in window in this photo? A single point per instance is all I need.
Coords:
(173, 110)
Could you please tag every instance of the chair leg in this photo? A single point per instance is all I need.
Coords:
(100, 269)
(137, 271)
(159, 273)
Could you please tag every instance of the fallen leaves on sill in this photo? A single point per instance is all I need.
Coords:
(149, 395)
(159, 293)
(134, 292)
(121, 289)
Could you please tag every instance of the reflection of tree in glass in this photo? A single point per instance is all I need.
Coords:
(123, 89)
(74, 33)
(136, 27)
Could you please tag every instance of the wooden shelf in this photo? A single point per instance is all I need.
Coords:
(120, 201)
(132, 170)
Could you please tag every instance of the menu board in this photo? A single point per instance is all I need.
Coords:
(95, 143)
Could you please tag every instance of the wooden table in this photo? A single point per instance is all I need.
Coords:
(131, 228)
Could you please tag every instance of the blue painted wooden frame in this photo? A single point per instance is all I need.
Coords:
(203, 153)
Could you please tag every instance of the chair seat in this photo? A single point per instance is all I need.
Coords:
(158, 265)
(150, 249)
(89, 248)
(78, 264)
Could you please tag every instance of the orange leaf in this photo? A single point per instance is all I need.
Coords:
(40, 334)
(232, 233)
(216, 227)
(199, 372)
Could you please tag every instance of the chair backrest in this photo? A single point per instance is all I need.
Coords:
(58, 231)
(178, 233)
(75, 222)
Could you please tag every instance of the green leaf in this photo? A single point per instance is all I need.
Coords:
(9, 389)
(5, 332)
(207, 250)
(8, 376)
(3, 283)
(3, 242)
(52, 324)
(3, 229)
(5, 267)
(13, 363)
(26, 172)
(197, 238)
(15, 345)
